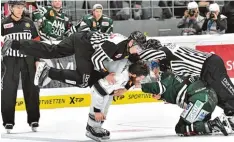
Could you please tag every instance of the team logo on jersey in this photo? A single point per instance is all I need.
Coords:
(105, 24)
(52, 13)
(118, 55)
(9, 25)
(94, 24)
(27, 25)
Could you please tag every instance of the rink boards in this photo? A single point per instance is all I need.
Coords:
(73, 97)
(50, 98)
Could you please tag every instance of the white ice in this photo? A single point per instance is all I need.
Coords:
(151, 122)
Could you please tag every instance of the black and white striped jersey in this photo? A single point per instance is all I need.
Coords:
(106, 46)
(183, 61)
(18, 30)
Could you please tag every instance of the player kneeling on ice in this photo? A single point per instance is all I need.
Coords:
(102, 94)
(197, 100)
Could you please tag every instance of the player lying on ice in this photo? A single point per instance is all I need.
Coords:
(102, 94)
(197, 100)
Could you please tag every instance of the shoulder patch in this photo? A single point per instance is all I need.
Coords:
(27, 25)
(105, 24)
(9, 25)
(51, 13)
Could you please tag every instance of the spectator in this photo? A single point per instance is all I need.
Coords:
(204, 6)
(116, 5)
(192, 22)
(214, 22)
(180, 7)
(94, 22)
(228, 10)
(166, 12)
(124, 13)
(52, 21)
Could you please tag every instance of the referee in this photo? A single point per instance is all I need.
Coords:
(18, 27)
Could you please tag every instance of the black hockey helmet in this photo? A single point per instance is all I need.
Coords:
(139, 68)
(138, 36)
(16, 2)
(153, 44)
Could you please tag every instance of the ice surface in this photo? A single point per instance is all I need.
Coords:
(151, 122)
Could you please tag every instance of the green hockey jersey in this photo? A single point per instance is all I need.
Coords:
(54, 24)
(174, 89)
(89, 23)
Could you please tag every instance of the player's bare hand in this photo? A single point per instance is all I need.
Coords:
(111, 78)
(156, 96)
(119, 92)
(99, 116)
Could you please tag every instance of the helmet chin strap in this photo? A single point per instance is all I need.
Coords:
(12, 13)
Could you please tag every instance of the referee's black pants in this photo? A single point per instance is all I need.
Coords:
(14, 67)
(215, 75)
(78, 44)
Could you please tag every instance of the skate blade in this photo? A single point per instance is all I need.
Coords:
(94, 138)
(8, 131)
(34, 129)
(106, 138)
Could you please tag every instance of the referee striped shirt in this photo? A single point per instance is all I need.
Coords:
(105, 46)
(24, 29)
(183, 61)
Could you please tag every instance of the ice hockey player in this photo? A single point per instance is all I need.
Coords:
(96, 21)
(102, 94)
(210, 68)
(90, 49)
(197, 100)
(53, 23)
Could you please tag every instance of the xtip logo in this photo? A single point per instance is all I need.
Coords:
(74, 100)
(118, 98)
(19, 103)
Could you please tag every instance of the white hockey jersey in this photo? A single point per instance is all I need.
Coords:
(120, 68)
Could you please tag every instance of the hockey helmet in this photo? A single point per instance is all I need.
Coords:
(138, 36)
(153, 44)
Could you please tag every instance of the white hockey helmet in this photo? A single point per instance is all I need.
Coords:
(192, 5)
(214, 7)
(97, 6)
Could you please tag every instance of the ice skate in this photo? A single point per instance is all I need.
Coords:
(34, 126)
(217, 126)
(97, 134)
(8, 128)
(41, 74)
